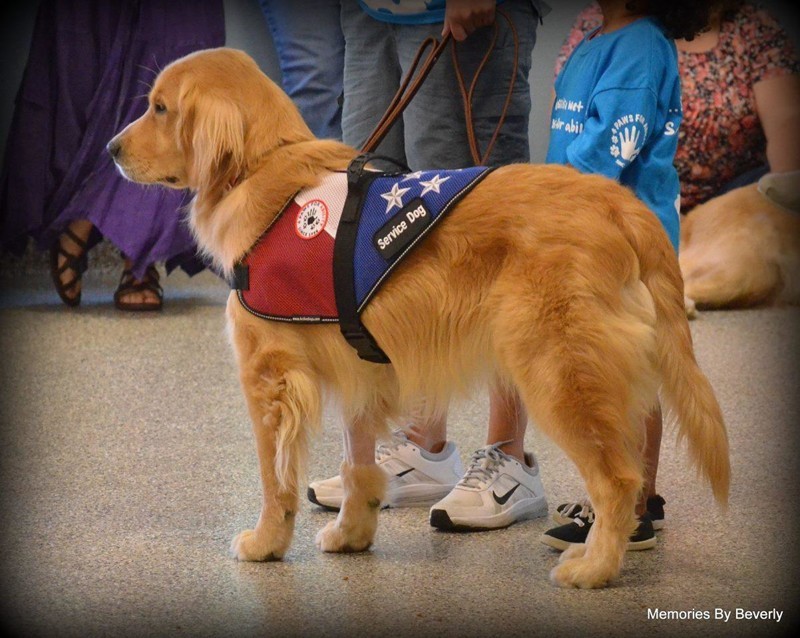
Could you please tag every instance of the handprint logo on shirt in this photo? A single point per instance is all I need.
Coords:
(627, 136)
(629, 146)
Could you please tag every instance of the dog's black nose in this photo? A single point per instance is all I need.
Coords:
(114, 147)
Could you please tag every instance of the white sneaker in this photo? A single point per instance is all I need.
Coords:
(416, 477)
(496, 491)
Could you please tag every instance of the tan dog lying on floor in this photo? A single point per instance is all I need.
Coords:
(741, 249)
(569, 290)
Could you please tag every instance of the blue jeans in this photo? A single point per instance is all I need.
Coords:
(432, 130)
(310, 45)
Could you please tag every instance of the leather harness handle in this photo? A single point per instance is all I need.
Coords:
(466, 94)
(408, 90)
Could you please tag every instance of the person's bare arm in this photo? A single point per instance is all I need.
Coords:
(778, 105)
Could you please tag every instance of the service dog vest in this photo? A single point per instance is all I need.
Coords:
(329, 250)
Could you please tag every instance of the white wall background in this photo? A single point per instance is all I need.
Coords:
(246, 29)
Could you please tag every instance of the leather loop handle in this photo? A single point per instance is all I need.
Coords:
(408, 89)
(467, 94)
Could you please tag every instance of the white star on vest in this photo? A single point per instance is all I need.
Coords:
(395, 197)
(433, 184)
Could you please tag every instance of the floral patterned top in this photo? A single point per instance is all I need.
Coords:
(721, 136)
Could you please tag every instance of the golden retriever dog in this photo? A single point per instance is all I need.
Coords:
(568, 291)
(741, 249)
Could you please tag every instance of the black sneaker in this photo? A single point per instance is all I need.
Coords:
(565, 513)
(563, 536)
(655, 507)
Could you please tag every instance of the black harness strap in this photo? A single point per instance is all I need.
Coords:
(241, 277)
(355, 332)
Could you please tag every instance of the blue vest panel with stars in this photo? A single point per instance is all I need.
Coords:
(398, 211)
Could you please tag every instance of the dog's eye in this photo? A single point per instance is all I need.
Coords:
(159, 108)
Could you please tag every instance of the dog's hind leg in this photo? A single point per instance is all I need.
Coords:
(590, 433)
(585, 369)
(364, 488)
(283, 403)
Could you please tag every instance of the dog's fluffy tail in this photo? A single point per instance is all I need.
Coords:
(685, 389)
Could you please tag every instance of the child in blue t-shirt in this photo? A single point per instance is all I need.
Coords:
(617, 104)
(616, 113)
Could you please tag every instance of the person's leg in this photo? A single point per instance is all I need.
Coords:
(138, 294)
(436, 137)
(435, 126)
(372, 76)
(68, 260)
(433, 122)
(652, 450)
(513, 143)
(508, 421)
(421, 465)
(429, 432)
(502, 484)
(310, 45)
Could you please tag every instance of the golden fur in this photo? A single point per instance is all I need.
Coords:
(740, 249)
(568, 291)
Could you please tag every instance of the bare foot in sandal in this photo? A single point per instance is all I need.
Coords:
(139, 294)
(68, 261)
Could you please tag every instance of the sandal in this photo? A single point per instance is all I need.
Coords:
(128, 285)
(76, 263)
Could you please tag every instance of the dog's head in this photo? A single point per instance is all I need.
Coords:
(210, 116)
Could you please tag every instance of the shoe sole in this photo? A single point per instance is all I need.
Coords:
(658, 524)
(561, 545)
(441, 520)
(409, 496)
(311, 494)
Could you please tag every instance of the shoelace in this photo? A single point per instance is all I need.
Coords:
(483, 465)
(585, 516)
(387, 449)
(577, 508)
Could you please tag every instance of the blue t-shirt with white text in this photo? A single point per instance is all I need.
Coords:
(617, 112)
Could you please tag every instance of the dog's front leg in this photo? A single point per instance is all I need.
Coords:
(280, 405)
(364, 488)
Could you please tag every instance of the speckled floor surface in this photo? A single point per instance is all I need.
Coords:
(127, 465)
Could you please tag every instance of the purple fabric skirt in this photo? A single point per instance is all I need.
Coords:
(90, 67)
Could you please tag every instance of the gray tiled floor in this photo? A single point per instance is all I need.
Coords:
(126, 466)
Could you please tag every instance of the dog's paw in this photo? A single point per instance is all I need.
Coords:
(581, 573)
(576, 550)
(334, 538)
(251, 546)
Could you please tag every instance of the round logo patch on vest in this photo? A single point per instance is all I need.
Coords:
(311, 219)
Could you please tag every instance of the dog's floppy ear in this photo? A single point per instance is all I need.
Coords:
(212, 130)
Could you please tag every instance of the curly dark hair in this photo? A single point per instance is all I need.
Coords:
(681, 18)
